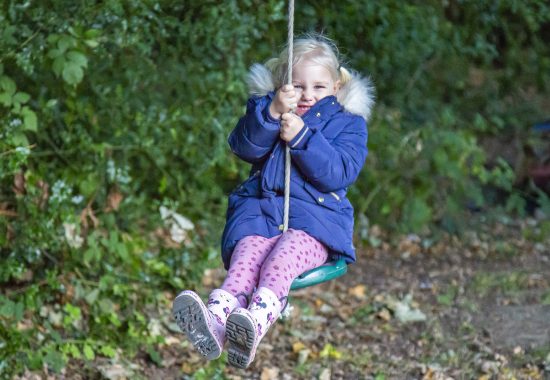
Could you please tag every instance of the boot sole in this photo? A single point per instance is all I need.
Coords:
(240, 332)
(191, 319)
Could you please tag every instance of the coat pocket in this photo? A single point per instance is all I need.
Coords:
(329, 200)
(250, 187)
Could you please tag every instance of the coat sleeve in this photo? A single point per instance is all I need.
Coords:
(256, 132)
(330, 166)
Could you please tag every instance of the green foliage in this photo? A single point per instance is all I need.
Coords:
(110, 110)
(214, 370)
(447, 76)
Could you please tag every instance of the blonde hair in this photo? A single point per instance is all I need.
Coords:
(314, 47)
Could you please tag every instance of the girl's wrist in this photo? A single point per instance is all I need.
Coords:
(274, 114)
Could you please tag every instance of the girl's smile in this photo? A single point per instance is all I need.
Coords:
(312, 82)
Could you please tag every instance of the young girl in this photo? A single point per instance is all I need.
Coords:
(327, 136)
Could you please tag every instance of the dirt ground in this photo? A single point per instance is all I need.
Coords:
(470, 307)
(433, 307)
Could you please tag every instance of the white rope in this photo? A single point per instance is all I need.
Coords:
(289, 81)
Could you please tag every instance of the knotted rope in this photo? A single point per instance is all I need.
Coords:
(289, 81)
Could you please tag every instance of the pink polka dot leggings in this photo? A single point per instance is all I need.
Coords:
(272, 263)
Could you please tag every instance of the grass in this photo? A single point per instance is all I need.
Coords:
(506, 283)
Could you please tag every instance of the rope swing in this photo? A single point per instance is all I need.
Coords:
(335, 268)
(289, 81)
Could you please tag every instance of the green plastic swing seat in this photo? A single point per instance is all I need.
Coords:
(327, 272)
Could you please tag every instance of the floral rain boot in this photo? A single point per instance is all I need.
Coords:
(204, 325)
(246, 327)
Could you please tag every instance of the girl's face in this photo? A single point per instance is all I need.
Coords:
(312, 82)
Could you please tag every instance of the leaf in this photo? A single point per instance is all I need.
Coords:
(90, 254)
(113, 200)
(108, 351)
(7, 35)
(74, 351)
(89, 185)
(29, 119)
(89, 353)
(21, 97)
(19, 139)
(52, 38)
(5, 99)
(19, 184)
(58, 65)
(297, 347)
(515, 203)
(77, 58)
(19, 311)
(8, 85)
(92, 43)
(154, 355)
(73, 311)
(55, 53)
(330, 352)
(7, 309)
(106, 305)
(72, 235)
(325, 374)
(544, 202)
(270, 373)
(88, 215)
(122, 251)
(65, 42)
(92, 296)
(418, 213)
(384, 314)
(72, 73)
(358, 291)
(177, 282)
(405, 313)
(116, 371)
(445, 299)
(54, 359)
(92, 33)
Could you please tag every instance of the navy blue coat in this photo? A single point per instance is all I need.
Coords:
(327, 155)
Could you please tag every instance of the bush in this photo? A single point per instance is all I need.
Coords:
(112, 111)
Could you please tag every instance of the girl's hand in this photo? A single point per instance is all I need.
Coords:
(290, 126)
(285, 100)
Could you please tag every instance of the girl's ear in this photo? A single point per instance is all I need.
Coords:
(337, 86)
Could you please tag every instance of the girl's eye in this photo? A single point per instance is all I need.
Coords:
(319, 86)
(298, 86)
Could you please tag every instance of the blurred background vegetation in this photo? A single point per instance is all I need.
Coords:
(114, 167)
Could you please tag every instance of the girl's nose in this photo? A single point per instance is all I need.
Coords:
(306, 95)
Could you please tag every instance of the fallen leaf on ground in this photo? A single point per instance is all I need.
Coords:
(170, 340)
(297, 347)
(269, 374)
(329, 351)
(115, 372)
(405, 313)
(358, 291)
(325, 374)
(384, 314)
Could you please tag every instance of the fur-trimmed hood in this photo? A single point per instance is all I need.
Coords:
(356, 96)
